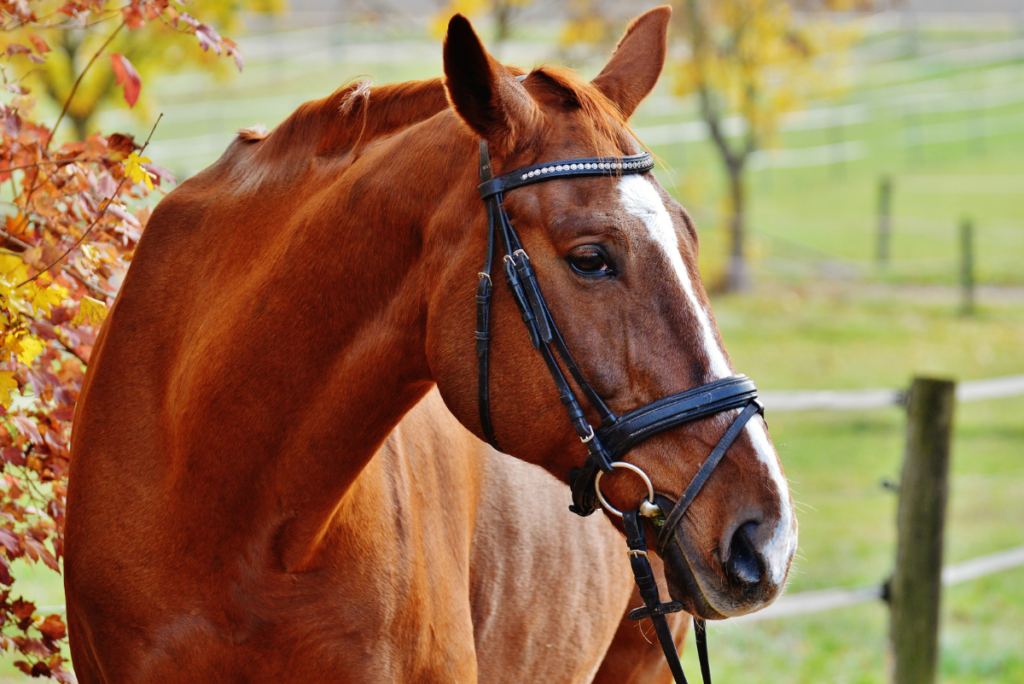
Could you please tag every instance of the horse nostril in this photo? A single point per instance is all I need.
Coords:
(744, 564)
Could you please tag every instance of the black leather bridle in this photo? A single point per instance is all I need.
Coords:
(617, 434)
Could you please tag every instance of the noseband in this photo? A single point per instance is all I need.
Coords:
(617, 435)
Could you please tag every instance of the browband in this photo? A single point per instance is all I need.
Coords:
(571, 168)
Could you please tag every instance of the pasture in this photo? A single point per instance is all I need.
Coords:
(946, 122)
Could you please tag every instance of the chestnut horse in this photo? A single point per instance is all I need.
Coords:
(290, 304)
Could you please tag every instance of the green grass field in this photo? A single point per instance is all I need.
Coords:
(950, 132)
(836, 462)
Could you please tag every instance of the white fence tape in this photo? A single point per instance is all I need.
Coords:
(830, 400)
(808, 602)
(857, 400)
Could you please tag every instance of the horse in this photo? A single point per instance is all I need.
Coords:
(287, 307)
(430, 459)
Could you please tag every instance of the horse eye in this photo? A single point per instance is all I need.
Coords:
(590, 260)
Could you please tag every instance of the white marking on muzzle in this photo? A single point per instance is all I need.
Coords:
(640, 199)
(779, 550)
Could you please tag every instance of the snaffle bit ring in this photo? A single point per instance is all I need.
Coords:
(628, 466)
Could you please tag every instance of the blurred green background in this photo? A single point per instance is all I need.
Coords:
(932, 98)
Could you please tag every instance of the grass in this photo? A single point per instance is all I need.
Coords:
(836, 462)
(824, 316)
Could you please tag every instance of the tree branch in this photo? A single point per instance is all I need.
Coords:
(103, 212)
(45, 163)
(78, 81)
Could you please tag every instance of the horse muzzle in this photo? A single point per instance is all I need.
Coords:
(738, 579)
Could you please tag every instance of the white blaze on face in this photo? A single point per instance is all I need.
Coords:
(640, 198)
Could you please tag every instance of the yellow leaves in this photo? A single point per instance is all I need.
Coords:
(7, 385)
(586, 29)
(760, 59)
(28, 348)
(469, 8)
(37, 297)
(12, 268)
(45, 298)
(133, 167)
(91, 312)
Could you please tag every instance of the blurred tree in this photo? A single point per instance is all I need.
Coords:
(597, 22)
(504, 12)
(158, 51)
(755, 60)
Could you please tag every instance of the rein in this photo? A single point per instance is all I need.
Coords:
(617, 435)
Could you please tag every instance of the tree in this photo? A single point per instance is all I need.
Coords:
(504, 12)
(69, 230)
(154, 52)
(756, 59)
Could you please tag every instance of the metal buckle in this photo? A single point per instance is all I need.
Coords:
(637, 552)
(590, 436)
(481, 274)
(628, 466)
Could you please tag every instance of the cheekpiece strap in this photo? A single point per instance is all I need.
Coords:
(698, 481)
(483, 313)
(593, 166)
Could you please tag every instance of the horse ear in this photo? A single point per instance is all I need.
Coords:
(636, 64)
(483, 92)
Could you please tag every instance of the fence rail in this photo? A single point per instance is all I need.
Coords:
(861, 399)
(809, 602)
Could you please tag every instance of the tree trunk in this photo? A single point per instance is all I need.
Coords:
(737, 275)
(503, 21)
(81, 125)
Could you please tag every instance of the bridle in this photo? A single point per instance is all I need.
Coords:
(610, 442)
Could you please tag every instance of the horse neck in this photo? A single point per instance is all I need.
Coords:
(393, 224)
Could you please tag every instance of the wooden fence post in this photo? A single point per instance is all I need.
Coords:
(967, 266)
(884, 213)
(917, 580)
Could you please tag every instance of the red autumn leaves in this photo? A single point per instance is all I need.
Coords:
(126, 76)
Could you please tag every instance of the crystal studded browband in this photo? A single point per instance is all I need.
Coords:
(596, 166)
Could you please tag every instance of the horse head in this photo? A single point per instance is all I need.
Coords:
(616, 259)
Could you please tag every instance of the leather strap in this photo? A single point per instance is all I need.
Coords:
(675, 410)
(616, 436)
(522, 283)
(653, 608)
(700, 635)
(570, 168)
(704, 473)
(483, 315)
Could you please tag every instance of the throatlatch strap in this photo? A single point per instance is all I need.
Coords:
(704, 473)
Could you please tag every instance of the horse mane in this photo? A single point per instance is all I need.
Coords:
(358, 113)
(355, 114)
